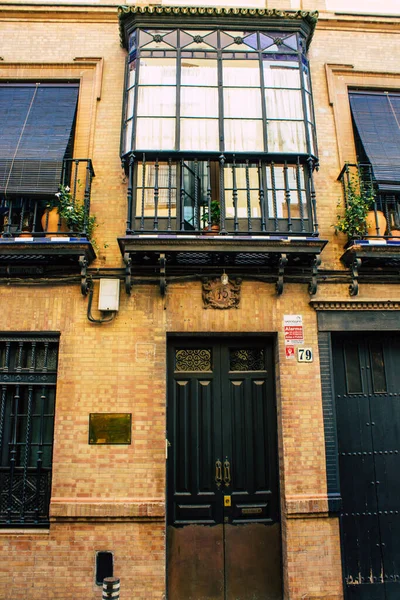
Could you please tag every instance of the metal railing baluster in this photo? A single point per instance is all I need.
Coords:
(287, 197)
(248, 197)
(235, 198)
(261, 195)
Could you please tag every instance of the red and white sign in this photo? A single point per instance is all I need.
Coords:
(293, 329)
(289, 351)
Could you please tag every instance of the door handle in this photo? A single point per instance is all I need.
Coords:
(218, 472)
(227, 472)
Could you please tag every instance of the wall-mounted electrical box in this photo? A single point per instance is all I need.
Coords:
(109, 295)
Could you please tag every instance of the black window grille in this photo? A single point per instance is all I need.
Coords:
(28, 375)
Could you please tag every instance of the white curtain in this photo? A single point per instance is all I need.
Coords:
(284, 103)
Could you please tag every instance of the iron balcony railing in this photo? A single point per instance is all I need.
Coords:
(358, 178)
(28, 214)
(241, 195)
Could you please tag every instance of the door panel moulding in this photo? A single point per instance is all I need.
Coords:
(335, 316)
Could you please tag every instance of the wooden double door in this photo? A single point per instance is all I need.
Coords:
(222, 502)
(367, 389)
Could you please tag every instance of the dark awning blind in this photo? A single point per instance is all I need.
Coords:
(35, 127)
(377, 118)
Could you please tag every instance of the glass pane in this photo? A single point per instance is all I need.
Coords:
(242, 204)
(243, 136)
(156, 101)
(353, 368)
(266, 41)
(378, 368)
(281, 74)
(251, 359)
(197, 71)
(191, 359)
(150, 175)
(155, 134)
(241, 73)
(312, 138)
(280, 210)
(309, 108)
(157, 46)
(242, 103)
(132, 74)
(130, 103)
(283, 104)
(240, 173)
(199, 46)
(286, 136)
(128, 137)
(199, 102)
(291, 42)
(199, 134)
(145, 202)
(236, 47)
(280, 177)
(157, 71)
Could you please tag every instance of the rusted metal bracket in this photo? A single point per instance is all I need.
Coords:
(83, 263)
(312, 288)
(128, 273)
(163, 280)
(281, 269)
(353, 287)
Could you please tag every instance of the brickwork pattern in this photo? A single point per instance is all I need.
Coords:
(112, 497)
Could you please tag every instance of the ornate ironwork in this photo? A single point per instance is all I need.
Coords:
(283, 260)
(353, 287)
(219, 295)
(246, 359)
(28, 368)
(193, 359)
(198, 39)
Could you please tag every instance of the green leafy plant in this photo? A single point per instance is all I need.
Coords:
(360, 197)
(73, 212)
(214, 216)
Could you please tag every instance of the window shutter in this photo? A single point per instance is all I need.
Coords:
(377, 118)
(36, 122)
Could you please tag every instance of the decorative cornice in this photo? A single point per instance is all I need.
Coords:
(127, 13)
(355, 305)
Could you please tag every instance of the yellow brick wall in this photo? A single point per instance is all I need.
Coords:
(112, 498)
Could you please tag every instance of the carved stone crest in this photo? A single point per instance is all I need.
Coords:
(219, 295)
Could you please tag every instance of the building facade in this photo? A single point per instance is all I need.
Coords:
(198, 356)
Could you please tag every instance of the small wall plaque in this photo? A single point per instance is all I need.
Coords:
(221, 295)
(110, 428)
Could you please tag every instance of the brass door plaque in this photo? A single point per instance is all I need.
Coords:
(110, 428)
(227, 501)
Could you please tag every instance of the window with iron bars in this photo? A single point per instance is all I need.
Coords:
(28, 375)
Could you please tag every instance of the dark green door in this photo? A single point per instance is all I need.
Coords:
(367, 388)
(222, 520)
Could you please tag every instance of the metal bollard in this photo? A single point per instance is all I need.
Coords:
(110, 588)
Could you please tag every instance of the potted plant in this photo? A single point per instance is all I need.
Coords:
(65, 213)
(211, 220)
(359, 218)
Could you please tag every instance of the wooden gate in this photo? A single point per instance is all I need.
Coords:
(222, 521)
(367, 388)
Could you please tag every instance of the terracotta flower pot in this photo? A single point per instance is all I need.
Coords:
(50, 221)
(375, 226)
(396, 234)
(214, 230)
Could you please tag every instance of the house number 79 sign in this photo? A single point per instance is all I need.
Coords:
(304, 355)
